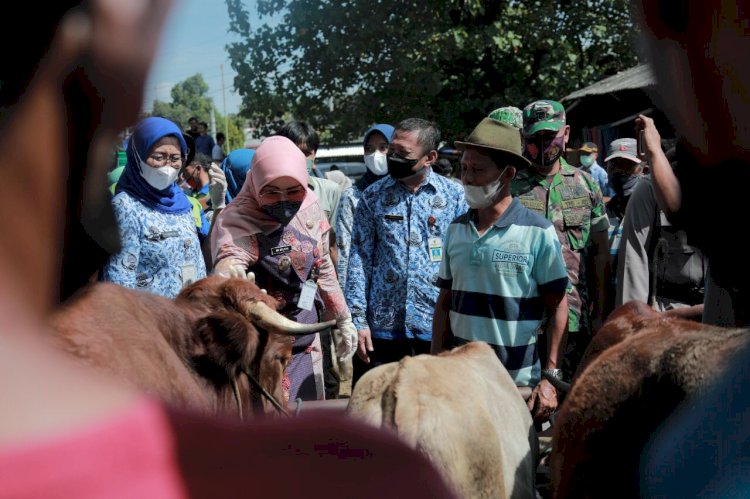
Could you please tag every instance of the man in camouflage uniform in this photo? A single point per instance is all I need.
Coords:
(572, 200)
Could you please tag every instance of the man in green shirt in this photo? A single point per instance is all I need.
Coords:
(572, 200)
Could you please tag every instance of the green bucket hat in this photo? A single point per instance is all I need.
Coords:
(510, 115)
(543, 115)
(496, 136)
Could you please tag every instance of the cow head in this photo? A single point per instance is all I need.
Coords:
(241, 336)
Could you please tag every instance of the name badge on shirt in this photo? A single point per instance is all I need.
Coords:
(436, 249)
(397, 218)
(281, 250)
(307, 296)
(187, 271)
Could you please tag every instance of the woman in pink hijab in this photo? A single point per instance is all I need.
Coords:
(276, 229)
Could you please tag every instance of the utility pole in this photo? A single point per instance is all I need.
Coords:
(213, 122)
(224, 99)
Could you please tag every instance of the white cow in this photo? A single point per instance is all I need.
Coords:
(461, 409)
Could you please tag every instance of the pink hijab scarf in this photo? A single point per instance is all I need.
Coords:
(276, 157)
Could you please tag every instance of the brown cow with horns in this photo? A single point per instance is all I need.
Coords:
(201, 350)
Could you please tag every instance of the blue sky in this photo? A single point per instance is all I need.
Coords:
(193, 42)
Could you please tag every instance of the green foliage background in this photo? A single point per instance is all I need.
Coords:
(344, 65)
(190, 98)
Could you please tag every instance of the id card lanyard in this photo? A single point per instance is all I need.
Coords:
(434, 242)
(310, 287)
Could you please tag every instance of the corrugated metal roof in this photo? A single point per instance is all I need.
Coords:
(638, 77)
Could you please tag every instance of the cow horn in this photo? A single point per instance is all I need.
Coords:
(269, 318)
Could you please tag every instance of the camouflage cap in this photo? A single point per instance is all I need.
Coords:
(509, 115)
(543, 115)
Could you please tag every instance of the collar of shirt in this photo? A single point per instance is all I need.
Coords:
(565, 170)
(428, 183)
(509, 216)
(203, 191)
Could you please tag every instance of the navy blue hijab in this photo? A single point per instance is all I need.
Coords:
(146, 134)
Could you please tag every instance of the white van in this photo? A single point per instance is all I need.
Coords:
(349, 158)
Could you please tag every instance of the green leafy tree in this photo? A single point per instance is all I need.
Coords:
(189, 98)
(191, 94)
(236, 137)
(344, 65)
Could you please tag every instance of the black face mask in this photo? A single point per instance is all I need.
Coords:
(623, 183)
(543, 151)
(283, 211)
(400, 167)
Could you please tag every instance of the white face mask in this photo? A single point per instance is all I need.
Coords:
(159, 178)
(482, 196)
(377, 163)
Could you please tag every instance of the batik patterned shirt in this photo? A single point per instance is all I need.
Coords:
(396, 248)
(160, 251)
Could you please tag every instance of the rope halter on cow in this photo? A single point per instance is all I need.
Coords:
(275, 403)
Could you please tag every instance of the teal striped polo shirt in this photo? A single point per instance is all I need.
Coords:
(497, 281)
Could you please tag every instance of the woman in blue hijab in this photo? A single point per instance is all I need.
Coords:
(375, 145)
(235, 168)
(160, 249)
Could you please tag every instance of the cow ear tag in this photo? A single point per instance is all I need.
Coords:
(307, 296)
(436, 249)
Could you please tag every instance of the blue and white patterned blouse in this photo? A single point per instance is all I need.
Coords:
(160, 251)
(344, 224)
(391, 286)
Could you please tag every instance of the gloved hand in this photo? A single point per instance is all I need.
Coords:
(217, 187)
(230, 267)
(347, 345)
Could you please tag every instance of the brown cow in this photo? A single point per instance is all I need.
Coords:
(461, 409)
(193, 351)
(626, 391)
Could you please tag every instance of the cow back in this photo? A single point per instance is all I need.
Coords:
(622, 397)
(461, 409)
(124, 333)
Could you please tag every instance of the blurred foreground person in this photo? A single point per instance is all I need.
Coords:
(65, 432)
(699, 51)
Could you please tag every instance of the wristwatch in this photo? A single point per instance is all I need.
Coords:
(553, 373)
